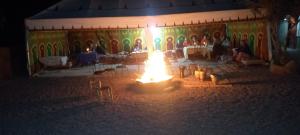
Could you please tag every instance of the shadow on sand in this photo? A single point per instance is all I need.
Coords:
(155, 88)
(252, 82)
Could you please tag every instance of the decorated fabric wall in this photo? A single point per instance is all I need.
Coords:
(71, 42)
(113, 40)
(45, 43)
(169, 36)
(117, 40)
(254, 32)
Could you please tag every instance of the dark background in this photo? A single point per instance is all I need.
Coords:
(12, 29)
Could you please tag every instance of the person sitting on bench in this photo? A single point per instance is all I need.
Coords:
(242, 52)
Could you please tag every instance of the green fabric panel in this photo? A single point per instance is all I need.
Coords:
(251, 42)
(41, 43)
(251, 29)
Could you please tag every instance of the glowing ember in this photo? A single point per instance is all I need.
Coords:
(155, 69)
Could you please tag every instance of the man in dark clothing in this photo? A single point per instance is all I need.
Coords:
(243, 52)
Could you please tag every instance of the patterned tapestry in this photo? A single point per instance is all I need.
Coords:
(113, 41)
(72, 42)
(255, 32)
(45, 43)
(117, 40)
(169, 36)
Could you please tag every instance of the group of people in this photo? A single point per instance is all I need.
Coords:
(221, 46)
(238, 54)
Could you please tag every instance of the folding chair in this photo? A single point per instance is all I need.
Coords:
(101, 91)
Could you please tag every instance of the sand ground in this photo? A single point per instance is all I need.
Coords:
(248, 101)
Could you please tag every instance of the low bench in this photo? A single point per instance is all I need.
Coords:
(252, 62)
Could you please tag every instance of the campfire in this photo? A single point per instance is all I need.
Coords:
(155, 70)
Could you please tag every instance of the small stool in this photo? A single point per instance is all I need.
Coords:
(202, 75)
(181, 70)
(192, 68)
(214, 79)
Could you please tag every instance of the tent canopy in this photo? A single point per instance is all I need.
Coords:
(117, 8)
(69, 14)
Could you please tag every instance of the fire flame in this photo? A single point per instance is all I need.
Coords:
(155, 69)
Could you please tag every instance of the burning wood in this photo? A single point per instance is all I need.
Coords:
(155, 69)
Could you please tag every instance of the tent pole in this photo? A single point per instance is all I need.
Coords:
(27, 52)
(269, 40)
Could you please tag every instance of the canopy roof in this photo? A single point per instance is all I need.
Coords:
(136, 13)
(114, 8)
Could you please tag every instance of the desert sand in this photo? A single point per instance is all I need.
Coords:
(247, 101)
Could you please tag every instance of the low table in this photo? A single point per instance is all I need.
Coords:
(204, 51)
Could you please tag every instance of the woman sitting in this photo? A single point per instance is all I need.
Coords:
(186, 43)
(242, 52)
(137, 47)
(204, 41)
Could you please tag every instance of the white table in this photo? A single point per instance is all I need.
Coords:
(54, 61)
(197, 49)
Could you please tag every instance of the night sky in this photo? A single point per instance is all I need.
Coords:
(12, 29)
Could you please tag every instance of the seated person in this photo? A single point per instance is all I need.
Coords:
(204, 41)
(186, 43)
(138, 46)
(179, 50)
(179, 45)
(242, 52)
(194, 40)
(100, 50)
(226, 44)
(218, 49)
